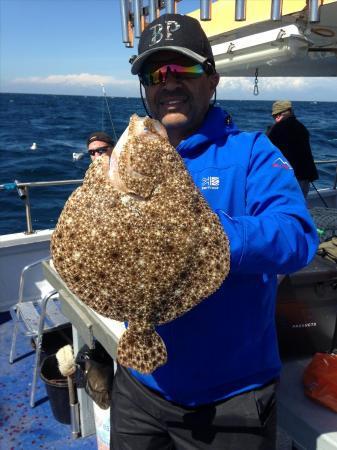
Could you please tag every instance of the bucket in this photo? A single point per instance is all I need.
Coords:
(57, 389)
(102, 424)
(53, 340)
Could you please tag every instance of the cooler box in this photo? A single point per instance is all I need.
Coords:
(306, 309)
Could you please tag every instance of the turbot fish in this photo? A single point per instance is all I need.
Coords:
(138, 243)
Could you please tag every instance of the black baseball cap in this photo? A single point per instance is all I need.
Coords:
(100, 136)
(174, 32)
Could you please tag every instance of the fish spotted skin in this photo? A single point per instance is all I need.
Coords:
(137, 242)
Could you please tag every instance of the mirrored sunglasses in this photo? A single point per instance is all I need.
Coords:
(151, 78)
(99, 150)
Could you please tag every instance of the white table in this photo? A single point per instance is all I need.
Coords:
(87, 326)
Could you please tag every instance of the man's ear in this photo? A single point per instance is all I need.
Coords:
(213, 79)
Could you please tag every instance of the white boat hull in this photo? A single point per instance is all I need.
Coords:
(17, 251)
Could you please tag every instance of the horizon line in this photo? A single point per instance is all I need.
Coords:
(138, 98)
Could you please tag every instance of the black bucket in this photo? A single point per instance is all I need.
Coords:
(57, 389)
(52, 341)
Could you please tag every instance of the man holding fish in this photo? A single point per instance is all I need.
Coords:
(217, 388)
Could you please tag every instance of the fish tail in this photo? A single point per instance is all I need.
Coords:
(141, 349)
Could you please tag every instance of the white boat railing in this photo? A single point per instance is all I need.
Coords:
(23, 192)
(22, 189)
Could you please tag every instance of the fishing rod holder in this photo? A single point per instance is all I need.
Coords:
(21, 191)
(137, 14)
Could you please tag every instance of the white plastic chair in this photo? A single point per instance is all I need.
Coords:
(35, 315)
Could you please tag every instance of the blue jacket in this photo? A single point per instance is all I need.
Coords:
(227, 344)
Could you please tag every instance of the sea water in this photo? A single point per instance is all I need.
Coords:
(60, 124)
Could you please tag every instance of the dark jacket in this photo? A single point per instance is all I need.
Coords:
(292, 138)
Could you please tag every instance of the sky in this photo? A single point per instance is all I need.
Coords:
(74, 46)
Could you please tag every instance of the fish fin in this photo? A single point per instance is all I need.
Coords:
(141, 349)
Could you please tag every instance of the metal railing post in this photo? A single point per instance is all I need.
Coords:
(23, 193)
(28, 213)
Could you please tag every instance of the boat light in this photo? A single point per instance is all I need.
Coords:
(266, 37)
(268, 54)
(205, 9)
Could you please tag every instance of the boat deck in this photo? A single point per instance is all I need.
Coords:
(26, 428)
(23, 427)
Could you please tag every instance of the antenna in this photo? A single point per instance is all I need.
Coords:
(107, 105)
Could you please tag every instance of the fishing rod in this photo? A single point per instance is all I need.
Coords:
(108, 108)
(319, 195)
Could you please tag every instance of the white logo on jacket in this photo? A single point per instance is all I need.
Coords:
(159, 32)
(282, 164)
(210, 183)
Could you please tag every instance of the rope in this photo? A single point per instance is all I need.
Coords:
(319, 195)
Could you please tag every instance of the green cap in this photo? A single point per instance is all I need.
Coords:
(280, 106)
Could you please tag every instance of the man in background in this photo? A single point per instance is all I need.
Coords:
(292, 138)
(100, 143)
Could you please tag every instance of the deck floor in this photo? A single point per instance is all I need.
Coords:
(26, 428)
(23, 427)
